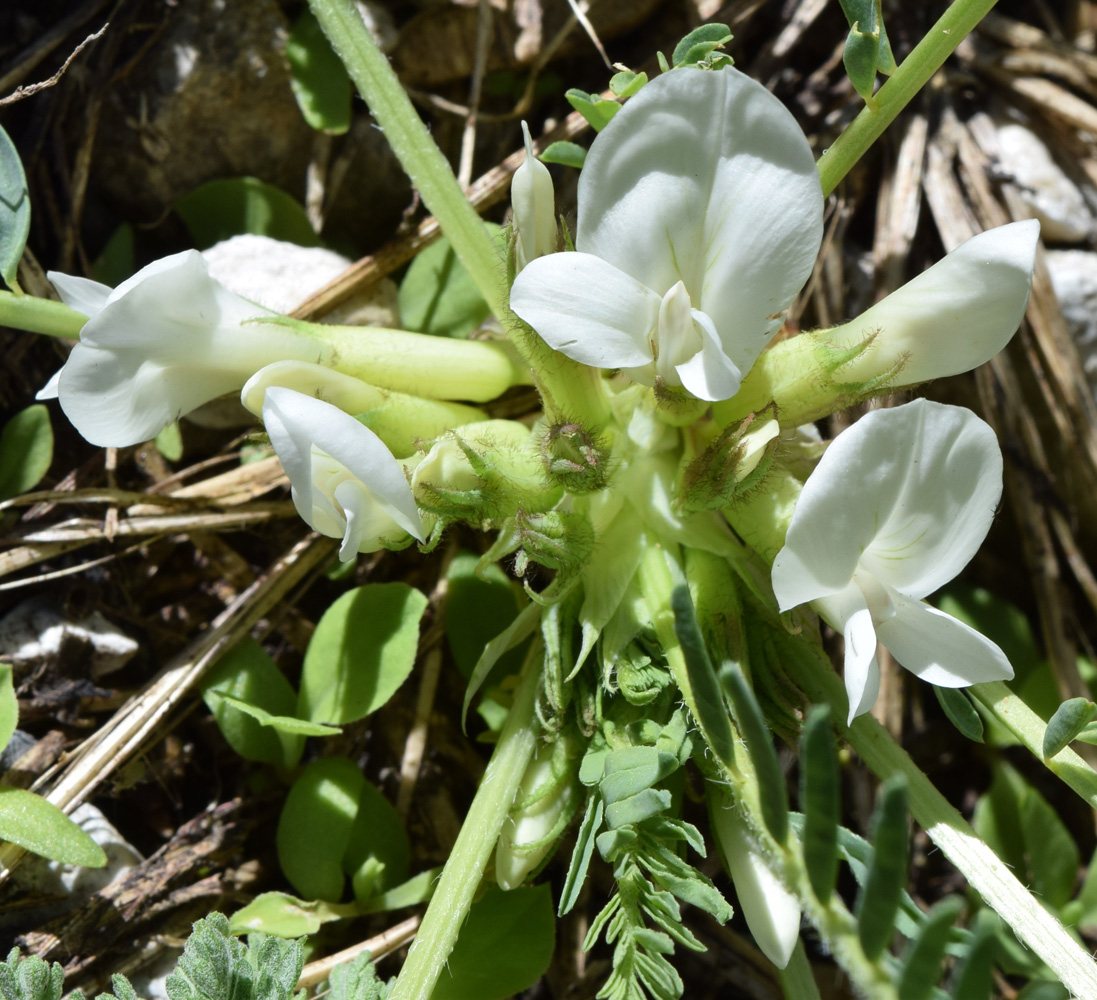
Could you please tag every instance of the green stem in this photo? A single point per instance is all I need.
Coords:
(35, 315)
(983, 869)
(461, 876)
(417, 152)
(797, 980)
(910, 77)
(1029, 728)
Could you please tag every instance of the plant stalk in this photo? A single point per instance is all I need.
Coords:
(896, 93)
(461, 876)
(35, 315)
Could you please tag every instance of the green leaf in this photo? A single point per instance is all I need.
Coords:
(357, 980)
(118, 258)
(1071, 717)
(974, 977)
(593, 108)
(30, 821)
(319, 80)
(820, 798)
(478, 607)
(581, 855)
(1053, 857)
(281, 723)
(169, 442)
(567, 154)
(246, 673)
(1044, 989)
(879, 900)
(30, 978)
(417, 889)
(711, 709)
(700, 43)
(630, 770)
(626, 83)
(504, 947)
(378, 852)
(235, 205)
(9, 706)
(26, 450)
(922, 960)
(363, 649)
(314, 829)
(284, 915)
(14, 210)
(772, 792)
(637, 808)
(517, 631)
(438, 296)
(860, 58)
(961, 712)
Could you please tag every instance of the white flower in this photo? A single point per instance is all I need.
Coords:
(533, 201)
(772, 913)
(897, 507)
(950, 318)
(700, 216)
(159, 345)
(346, 484)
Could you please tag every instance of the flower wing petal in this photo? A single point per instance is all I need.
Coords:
(705, 177)
(82, 294)
(953, 316)
(848, 613)
(950, 469)
(940, 649)
(587, 309)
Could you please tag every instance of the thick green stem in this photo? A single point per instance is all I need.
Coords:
(983, 869)
(26, 312)
(1029, 728)
(460, 878)
(910, 77)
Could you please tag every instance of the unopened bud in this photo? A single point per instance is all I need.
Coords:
(534, 203)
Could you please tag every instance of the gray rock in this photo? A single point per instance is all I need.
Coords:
(1074, 277)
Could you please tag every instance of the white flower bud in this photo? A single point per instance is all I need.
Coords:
(534, 203)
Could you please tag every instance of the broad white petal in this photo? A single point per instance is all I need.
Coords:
(705, 177)
(948, 466)
(587, 309)
(352, 445)
(710, 374)
(952, 317)
(939, 648)
(292, 443)
(772, 913)
(82, 294)
(848, 613)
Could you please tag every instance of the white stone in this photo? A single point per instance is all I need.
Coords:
(1074, 278)
(33, 631)
(1043, 188)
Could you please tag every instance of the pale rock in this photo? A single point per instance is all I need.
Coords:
(1074, 277)
(1042, 188)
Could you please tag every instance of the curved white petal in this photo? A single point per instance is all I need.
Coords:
(939, 648)
(848, 613)
(533, 201)
(49, 390)
(587, 309)
(350, 394)
(299, 424)
(772, 913)
(705, 177)
(952, 317)
(949, 470)
(82, 294)
(710, 374)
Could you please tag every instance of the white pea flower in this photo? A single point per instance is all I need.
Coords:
(159, 345)
(534, 203)
(346, 484)
(897, 507)
(700, 216)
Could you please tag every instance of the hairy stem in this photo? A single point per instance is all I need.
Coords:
(909, 77)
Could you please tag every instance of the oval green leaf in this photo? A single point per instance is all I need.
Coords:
(504, 947)
(363, 649)
(961, 712)
(9, 706)
(286, 916)
(30, 821)
(315, 827)
(378, 853)
(319, 81)
(1071, 717)
(14, 210)
(26, 450)
(235, 205)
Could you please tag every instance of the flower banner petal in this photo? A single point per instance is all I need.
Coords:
(706, 178)
(587, 309)
(939, 648)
